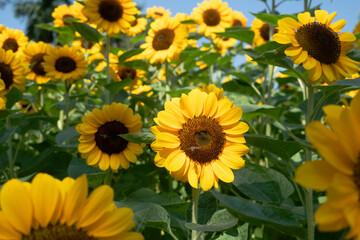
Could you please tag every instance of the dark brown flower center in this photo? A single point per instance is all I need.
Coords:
(65, 64)
(68, 16)
(320, 41)
(6, 74)
(237, 23)
(58, 232)
(124, 72)
(107, 137)
(211, 17)
(110, 10)
(134, 23)
(357, 174)
(36, 61)
(202, 139)
(158, 14)
(264, 32)
(10, 44)
(163, 39)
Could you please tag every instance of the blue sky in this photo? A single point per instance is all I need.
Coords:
(346, 9)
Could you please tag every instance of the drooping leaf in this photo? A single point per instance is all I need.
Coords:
(240, 233)
(129, 54)
(115, 87)
(89, 33)
(6, 134)
(271, 18)
(143, 137)
(78, 167)
(253, 110)
(66, 135)
(242, 34)
(13, 96)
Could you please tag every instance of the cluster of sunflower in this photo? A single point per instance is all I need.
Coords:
(142, 90)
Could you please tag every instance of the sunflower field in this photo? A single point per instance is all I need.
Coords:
(139, 124)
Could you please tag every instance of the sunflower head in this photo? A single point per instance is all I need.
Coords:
(199, 139)
(356, 30)
(166, 39)
(12, 39)
(212, 88)
(136, 27)
(101, 143)
(48, 208)
(238, 19)
(157, 12)
(318, 45)
(111, 16)
(64, 63)
(212, 16)
(64, 11)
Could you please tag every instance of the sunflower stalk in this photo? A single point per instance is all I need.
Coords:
(41, 122)
(67, 103)
(167, 81)
(9, 152)
(195, 198)
(108, 79)
(108, 177)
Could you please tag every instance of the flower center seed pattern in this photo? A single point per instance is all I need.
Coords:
(163, 39)
(320, 41)
(58, 232)
(6, 75)
(110, 10)
(10, 44)
(65, 64)
(107, 138)
(36, 61)
(357, 174)
(202, 139)
(211, 17)
(124, 72)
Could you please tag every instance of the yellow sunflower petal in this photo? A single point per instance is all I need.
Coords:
(222, 171)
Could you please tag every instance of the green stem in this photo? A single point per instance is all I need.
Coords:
(67, 103)
(195, 198)
(306, 8)
(108, 177)
(211, 72)
(41, 122)
(108, 79)
(167, 81)
(9, 152)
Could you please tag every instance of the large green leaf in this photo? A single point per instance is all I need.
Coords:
(78, 167)
(13, 96)
(6, 134)
(207, 206)
(281, 218)
(129, 54)
(65, 135)
(89, 33)
(271, 18)
(253, 110)
(241, 34)
(282, 149)
(115, 87)
(143, 137)
(240, 233)
(263, 184)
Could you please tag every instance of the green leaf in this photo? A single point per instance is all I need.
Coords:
(210, 58)
(129, 54)
(78, 167)
(4, 113)
(65, 38)
(262, 184)
(341, 84)
(207, 206)
(272, 19)
(281, 218)
(137, 64)
(252, 110)
(89, 33)
(143, 137)
(220, 221)
(115, 87)
(282, 149)
(35, 164)
(6, 134)
(179, 91)
(241, 34)
(13, 96)
(240, 233)
(66, 135)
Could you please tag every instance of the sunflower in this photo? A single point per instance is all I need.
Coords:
(212, 88)
(166, 38)
(2, 102)
(64, 63)
(356, 30)
(137, 26)
(212, 16)
(12, 71)
(261, 32)
(68, 12)
(33, 56)
(200, 139)
(223, 44)
(112, 16)
(100, 143)
(48, 208)
(317, 44)
(338, 173)
(191, 28)
(2, 28)
(12, 39)
(238, 19)
(157, 12)
(120, 73)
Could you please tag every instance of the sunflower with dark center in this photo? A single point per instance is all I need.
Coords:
(223, 44)
(238, 19)
(212, 16)
(34, 57)
(166, 38)
(261, 32)
(111, 16)
(199, 139)
(11, 39)
(136, 27)
(101, 143)
(64, 63)
(157, 12)
(317, 44)
(121, 73)
(12, 71)
(50, 209)
(64, 11)
(338, 171)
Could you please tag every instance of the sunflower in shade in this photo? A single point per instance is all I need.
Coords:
(166, 38)
(199, 139)
(34, 54)
(136, 27)
(112, 16)
(356, 30)
(261, 32)
(238, 19)
(64, 63)
(100, 143)
(318, 45)
(48, 208)
(212, 16)
(157, 12)
(12, 39)
(191, 28)
(12, 71)
(120, 73)
(68, 12)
